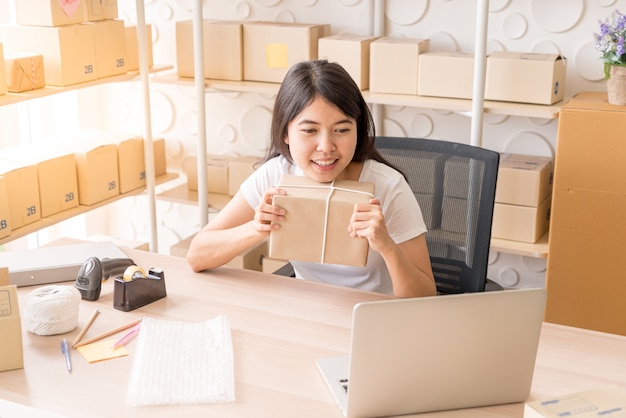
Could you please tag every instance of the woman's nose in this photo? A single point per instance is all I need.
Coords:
(326, 142)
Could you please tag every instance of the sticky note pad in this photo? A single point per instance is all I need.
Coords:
(101, 350)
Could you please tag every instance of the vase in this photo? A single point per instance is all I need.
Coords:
(616, 85)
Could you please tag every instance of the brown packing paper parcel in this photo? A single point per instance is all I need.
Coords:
(24, 72)
(316, 225)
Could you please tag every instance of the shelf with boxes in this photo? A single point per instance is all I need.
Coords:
(78, 210)
(254, 56)
(13, 98)
(70, 45)
(224, 176)
(43, 185)
(437, 80)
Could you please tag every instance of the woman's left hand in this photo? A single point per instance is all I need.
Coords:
(367, 221)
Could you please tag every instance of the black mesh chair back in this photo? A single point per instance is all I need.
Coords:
(455, 185)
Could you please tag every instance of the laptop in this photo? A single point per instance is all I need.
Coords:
(438, 353)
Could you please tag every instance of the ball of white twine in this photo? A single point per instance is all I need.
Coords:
(52, 310)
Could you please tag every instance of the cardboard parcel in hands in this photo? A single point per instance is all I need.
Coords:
(316, 225)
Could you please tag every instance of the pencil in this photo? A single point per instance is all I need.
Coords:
(86, 327)
(106, 334)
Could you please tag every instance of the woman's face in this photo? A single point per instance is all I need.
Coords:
(322, 141)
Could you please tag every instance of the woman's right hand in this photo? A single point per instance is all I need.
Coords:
(268, 217)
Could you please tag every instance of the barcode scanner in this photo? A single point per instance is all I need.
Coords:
(94, 271)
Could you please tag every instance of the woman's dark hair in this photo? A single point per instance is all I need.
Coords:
(330, 81)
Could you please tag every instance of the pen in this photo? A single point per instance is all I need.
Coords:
(127, 337)
(66, 352)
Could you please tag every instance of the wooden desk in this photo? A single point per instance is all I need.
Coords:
(279, 326)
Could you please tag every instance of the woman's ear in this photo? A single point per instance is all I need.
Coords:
(286, 140)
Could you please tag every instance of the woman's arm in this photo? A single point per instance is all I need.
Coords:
(408, 262)
(236, 228)
(410, 269)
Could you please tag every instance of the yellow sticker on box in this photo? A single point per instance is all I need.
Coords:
(276, 56)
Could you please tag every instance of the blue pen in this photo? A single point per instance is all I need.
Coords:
(66, 352)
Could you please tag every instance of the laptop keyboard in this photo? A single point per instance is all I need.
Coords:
(344, 384)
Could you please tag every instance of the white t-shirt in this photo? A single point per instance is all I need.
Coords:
(400, 208)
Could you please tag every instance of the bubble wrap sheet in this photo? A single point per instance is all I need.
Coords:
(182, 363)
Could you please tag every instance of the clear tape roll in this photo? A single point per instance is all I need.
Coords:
(133, 272)
(51, 310)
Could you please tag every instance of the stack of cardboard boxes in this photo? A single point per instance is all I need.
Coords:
(510, 76)
(11, 352)
(253, 51)
(585, 277)
(264, 51)
(61, 43)
(224, 173)
(523, 198)
(44, 181)
(79, 41)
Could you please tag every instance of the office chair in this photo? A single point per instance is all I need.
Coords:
(455, 186)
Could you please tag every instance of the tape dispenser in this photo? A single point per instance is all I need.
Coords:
(135, 288)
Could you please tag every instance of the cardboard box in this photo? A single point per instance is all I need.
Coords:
(23, 187)
(132, 47)
(110, 46)
(311, 226)
(445, 74)
(68, 51)
(239, 169)
(352, 52)
(131, 163)
(160, 162)
(585, 273)
(11, 351)
(97, 172)
(271, 48)
(521, 223)
(524, 180)
(525, 77)
(222, 49)
(3, 75)
(56, 176)
(394, 64)
(217, 174)
(24, 72)
(49, 12)
(100, 10)
(5, 214)
(591, 403)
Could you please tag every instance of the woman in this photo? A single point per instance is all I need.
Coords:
(322, 128)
